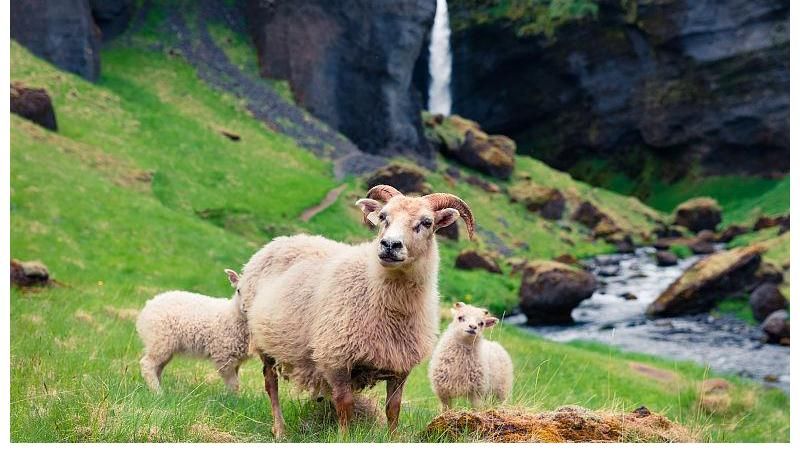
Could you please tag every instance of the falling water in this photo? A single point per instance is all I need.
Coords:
(440, 62)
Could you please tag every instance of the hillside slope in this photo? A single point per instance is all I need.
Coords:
(140, 192)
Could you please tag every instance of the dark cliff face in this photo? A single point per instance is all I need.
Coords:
(350, 64)
(61, 32)
(692, 82)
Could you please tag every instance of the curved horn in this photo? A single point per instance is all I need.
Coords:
(382, 192)
(440, 201)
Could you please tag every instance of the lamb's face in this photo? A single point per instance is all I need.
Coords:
(233, 278)
(470, 321)
(406, 228)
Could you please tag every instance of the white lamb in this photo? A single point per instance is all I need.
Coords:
(466, 365)
(180, 322)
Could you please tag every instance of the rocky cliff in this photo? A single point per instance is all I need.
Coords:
(695, 83)
(61, 32)
(350, 65)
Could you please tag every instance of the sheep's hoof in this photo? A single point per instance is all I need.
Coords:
(278, 432)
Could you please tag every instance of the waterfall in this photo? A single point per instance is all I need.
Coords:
(440, 62)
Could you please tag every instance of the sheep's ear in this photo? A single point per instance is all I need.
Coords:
(445, 217)
(459, 305)
(490, 321)
(233, 277)
(369, 207)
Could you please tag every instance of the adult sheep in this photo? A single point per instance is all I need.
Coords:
(336, 318)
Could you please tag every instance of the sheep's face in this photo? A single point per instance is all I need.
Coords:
(406, 227)
(233, 278)
(469, 321)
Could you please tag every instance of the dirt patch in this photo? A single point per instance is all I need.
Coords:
(658, 374)
(211, 434)
(567, 424)
(326, 202)
(715, 395)
(122, 314)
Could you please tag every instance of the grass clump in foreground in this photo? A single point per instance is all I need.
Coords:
(139, 193)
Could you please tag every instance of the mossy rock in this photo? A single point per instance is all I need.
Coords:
(707, 282)
(699, 214)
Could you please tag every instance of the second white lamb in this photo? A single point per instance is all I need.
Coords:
(466, 365)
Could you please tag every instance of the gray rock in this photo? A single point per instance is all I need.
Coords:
(61, 32)
(776, 327)
(666, 259)
(765, 300)
(550, 290)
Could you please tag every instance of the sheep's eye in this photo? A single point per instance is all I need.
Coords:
(480, 324)
(461, 318)
(382, 216)
(238, 291)
(426, 222)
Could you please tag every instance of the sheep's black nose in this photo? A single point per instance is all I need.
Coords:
(394, 245)
(473, 327)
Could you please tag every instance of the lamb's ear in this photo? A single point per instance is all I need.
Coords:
(459, 305)
(490, 321)
(369, 207)
(445, 217)
(233, 277)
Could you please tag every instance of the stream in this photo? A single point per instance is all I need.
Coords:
(725, 344)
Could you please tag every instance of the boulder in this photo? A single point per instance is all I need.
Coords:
(666, 259)
(624, 244)
(765, 300)
(699, 214)
(701, 247)
(463, 141)
(61, 32)
(32, 273)
(588, 214)
(407, 179)
(470, 259)
(767, 273)
(548, 202)
(707, 282)
(769, 222)
(350, 65)
(550, 290)
(776, 327)
(730, 233)
(484, 185)
(33, 104)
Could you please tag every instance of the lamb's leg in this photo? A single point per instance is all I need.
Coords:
(394, 396)
(476, 400)
(152, 366)
(446, 403)
(230, 374)
(343, 401)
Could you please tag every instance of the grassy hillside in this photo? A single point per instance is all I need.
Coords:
(139, 192)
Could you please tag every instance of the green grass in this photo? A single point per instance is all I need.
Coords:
(738, 307)
(139, 193)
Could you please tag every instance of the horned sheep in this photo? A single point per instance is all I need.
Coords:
(180, 322)
(337, 318)
(466, 365)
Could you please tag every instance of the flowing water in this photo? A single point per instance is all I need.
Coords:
(724, 344)
(440, 63)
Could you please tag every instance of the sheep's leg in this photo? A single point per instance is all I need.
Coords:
(394, 397)
(271, 386)
(343, 401)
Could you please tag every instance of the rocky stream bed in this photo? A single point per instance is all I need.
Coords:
(615, 315)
